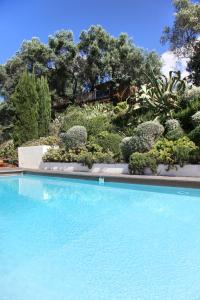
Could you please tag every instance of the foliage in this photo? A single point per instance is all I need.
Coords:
(72, 68)
(100, 157)
(184, 115)
(75, 137)
(49, 141)
(186, 27)
(173, 152)
(196, 118)
(194, 135)
(44, 106)
(85, 158)
(191, 93)
(25, 102)
(109, 141)
(150, 129)
(140, 161)
(172, 124)
(97, 124)
(142, 140)
(161, 94)
(82, 156)
(126, 148)
(8, 152)
(74, 116)
(175, 134)
(194, 65)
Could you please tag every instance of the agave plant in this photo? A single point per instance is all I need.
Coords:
(161, 94)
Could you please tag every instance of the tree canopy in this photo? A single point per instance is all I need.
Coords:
(185, 29)
(71, 68)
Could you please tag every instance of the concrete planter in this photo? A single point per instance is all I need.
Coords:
(186, 171)
(76, 167)
(31, 158)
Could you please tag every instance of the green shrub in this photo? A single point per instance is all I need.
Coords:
(75, 137)
(175, 134)
(194, 135)
(140, 161)
(172, 124)
(191, 94)
(49, 140)
(184, 115)
(8, 152)
(196, 118)
(109, 141)
(126, 148)
(173, 152)
(100, 157)
(54, 155)
(143, 139)
(151, 129)
(85, 158)
(97, 124)
(74, 116)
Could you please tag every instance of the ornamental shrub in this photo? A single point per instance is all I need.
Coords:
(8, 152)
(150, 129)
(175, 134)
(140, 161)
(97, 124)
(196, 118)
(109, 141)
(194, 135)
(85, 158)
(75, 137)
(100, 157)
(126, 148)
(173, 152)
(54, 155)
(172, 124)
(49, 140)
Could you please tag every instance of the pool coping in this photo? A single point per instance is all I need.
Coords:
(188, 182)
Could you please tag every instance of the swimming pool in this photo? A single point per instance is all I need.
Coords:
(67, 239)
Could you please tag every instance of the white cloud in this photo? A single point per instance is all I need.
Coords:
(172, 63)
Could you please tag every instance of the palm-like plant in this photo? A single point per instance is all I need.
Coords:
(161, 94)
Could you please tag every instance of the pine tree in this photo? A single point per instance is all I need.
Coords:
(44, 106)
(25, 102)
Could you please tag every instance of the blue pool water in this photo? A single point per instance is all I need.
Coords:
(65, 239)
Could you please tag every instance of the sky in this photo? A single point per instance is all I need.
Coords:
(143, 20)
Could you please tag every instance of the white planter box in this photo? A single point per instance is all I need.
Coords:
(76, 167)
(31, 157)
(66, 167)
(185, 171)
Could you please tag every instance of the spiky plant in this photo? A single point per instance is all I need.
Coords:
(162, 94)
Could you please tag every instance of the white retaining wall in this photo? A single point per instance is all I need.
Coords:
(31, 158)
(96, 168)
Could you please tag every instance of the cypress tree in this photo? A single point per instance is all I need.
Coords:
(44, 106)
(25, 102)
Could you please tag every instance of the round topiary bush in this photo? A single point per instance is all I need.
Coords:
(151, 129)
(143, 139)
(172, 124)
(196, 118)
(75, 137)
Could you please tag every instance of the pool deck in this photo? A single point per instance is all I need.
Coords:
(190, 182)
